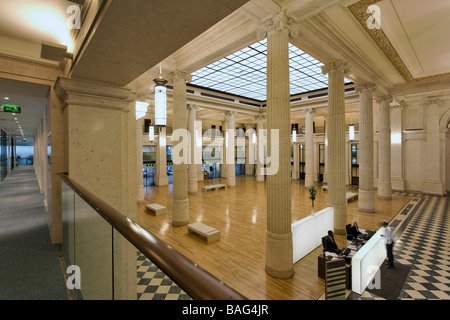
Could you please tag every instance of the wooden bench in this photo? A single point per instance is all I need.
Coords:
(351, 196)
(207, 233)
(214, 187)
(157, 209)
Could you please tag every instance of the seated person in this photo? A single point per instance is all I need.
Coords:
(360, 233)
(329, 243)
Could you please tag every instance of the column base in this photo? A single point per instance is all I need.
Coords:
(433, 187)
(180, 212)
(366, 201)
(162, 180)
(398, 184)
(309, 180)
(231, 181)
(192, 186)
(140, 193)
(279, 255)
(384, 190)
(340, 218)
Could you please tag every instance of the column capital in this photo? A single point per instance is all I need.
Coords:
(339, 65)
(193, 107)
(279, 22)
(308, 110)
(369, 86)
(230, 113)
(260, 117)
(179, 75)
(432, 102)
(384, 99)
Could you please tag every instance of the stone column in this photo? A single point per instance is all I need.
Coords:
(199, 146)
(248, 149)
(259, 151)
(296, 169)
(433, 183)
(223, 170)
(100, 123)
(139, 161)
(397, 153)
(192, 169)
(366, 196)
(309, 145)
(161, 178)
(325, 170)
(384, 148)
(336, 142)
(279, 255)
(180, 208)
(230, 154)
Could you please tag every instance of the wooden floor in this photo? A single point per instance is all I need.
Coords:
(238, 259)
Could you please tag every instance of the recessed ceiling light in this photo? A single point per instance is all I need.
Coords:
(6, 98)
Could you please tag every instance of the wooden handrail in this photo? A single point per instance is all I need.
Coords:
(194, 280)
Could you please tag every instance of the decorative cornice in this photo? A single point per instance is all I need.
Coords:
(279, 22)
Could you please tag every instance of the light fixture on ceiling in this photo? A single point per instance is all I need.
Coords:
(160, 100)
(55, 52)
(6, 98)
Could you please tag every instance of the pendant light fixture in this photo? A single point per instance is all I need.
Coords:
(160, 101)
(351, 129)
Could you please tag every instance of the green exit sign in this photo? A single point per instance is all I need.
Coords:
(10, 109)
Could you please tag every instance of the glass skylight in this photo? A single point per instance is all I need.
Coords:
(243, 73)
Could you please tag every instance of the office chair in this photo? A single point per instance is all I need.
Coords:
(347, 230)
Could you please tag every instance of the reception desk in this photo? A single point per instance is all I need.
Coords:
(367, 261)
(307, 233)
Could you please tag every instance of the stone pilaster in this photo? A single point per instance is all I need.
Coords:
(397, 148)
(279, 255)
(309, 146)
(433, 183)
(336, 142)
(325, 170)
(384, 148)
(180, 207)
(366, 196)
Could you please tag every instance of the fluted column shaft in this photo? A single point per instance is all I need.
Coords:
(384, 148)
(336, 143)
(231, 166)
(279, 255)
(192, 172)
(259, 159)
(161, 178)
(180, 207)
(366, 196)
(309, 141)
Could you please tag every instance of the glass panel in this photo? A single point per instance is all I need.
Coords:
(93, 252)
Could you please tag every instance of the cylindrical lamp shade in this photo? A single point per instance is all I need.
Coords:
(351, 132)
(160, 103)
(294, 136)
(151, 133)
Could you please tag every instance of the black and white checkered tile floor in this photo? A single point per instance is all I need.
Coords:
(153, 284)
(422, 230)
(423, 239)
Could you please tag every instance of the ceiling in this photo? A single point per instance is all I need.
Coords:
(32, 98)
(244, 73)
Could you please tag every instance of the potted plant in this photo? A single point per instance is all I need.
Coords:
(312, 196)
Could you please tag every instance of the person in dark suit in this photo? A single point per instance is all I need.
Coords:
(329, 243)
